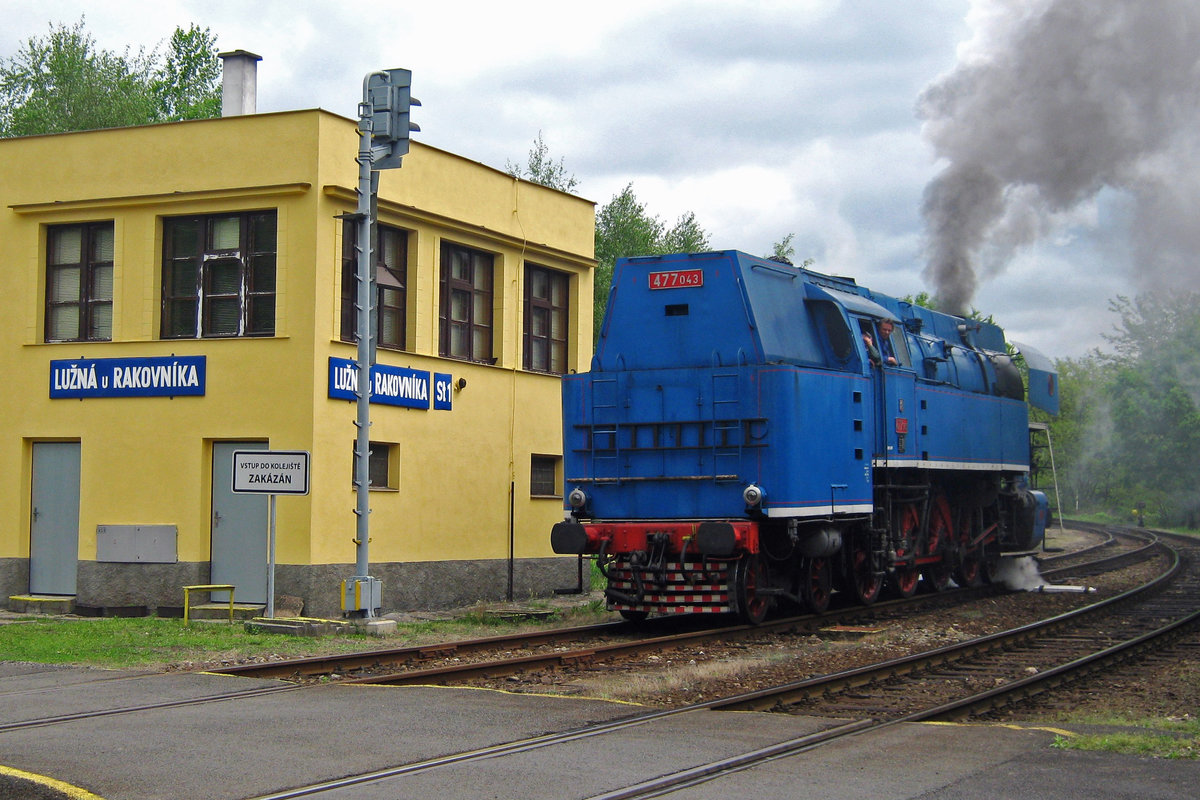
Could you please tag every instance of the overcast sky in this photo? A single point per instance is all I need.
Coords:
(763, 118)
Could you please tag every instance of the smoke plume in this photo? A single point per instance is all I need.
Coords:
(1052, 101)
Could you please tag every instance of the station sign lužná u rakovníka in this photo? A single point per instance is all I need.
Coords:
(393, 386)
(154, 376)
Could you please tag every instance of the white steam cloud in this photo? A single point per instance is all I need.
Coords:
(1052, 101)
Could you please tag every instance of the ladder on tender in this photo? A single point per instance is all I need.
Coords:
(728, 438)
(604, 430)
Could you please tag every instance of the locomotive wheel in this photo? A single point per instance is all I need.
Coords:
(970, 569)
(867, 583)
(971, 561)
(748, 574)
(937, 575)
(904, 578)
(904, 581)
(818, 580)
(633, 616)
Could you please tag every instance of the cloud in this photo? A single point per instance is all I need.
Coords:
(762, 118)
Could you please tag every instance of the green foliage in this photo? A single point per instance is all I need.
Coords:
(64, 82)
(1129, 426)
(926, 300)
(188, 83)
(783, 249)
(542, 168)
(785, 252)
(1138, 744)
(625, 228)
(922, 299)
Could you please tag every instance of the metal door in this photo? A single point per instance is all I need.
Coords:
(54, 523)
(239, 530)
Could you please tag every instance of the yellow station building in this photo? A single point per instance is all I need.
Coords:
(172, 294)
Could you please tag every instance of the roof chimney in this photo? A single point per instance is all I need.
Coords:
(239, 82)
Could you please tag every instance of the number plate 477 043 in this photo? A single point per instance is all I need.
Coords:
(677, 279)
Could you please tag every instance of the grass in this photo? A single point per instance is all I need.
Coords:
(1163, 738)
(155, 643)
(150, 642)
(1148, 745)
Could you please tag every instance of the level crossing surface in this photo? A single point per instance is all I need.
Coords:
(197, 735)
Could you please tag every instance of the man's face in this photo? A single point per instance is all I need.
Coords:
(885, 329)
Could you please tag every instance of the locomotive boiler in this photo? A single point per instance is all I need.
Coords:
(755, 435)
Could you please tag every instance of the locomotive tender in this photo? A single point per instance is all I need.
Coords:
(745, 440)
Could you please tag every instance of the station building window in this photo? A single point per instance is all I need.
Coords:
(219, 275)
(546, 304)
(383, 466)
(543, 476)
(391, 280)
(79, 282)
(465, 329)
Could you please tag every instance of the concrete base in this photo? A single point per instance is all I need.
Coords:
(300, 626)
(220, 611)
(375, 626)
(41, 604)
(308, 626)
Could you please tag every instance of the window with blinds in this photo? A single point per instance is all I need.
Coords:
(391, 278)
(219, 275)
(79, 282)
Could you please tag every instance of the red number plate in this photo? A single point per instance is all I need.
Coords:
(677, 279)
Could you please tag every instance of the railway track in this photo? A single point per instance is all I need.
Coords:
(437, 663)
(501, 656)
(1063, 648)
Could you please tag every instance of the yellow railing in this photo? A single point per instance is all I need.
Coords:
(206, 587)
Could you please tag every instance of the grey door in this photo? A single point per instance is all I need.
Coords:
(54, 523)
(239, 529)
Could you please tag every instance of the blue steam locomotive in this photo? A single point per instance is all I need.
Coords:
(753, 434)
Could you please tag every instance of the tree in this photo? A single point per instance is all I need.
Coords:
(1129, 421)
(922, 299)
(624, 227)
(64, 82)
(685, 236)
(783, 250)
(1153, 388)
(187, 84)
(541, 168)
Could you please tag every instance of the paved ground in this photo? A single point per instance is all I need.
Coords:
(273, 737)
